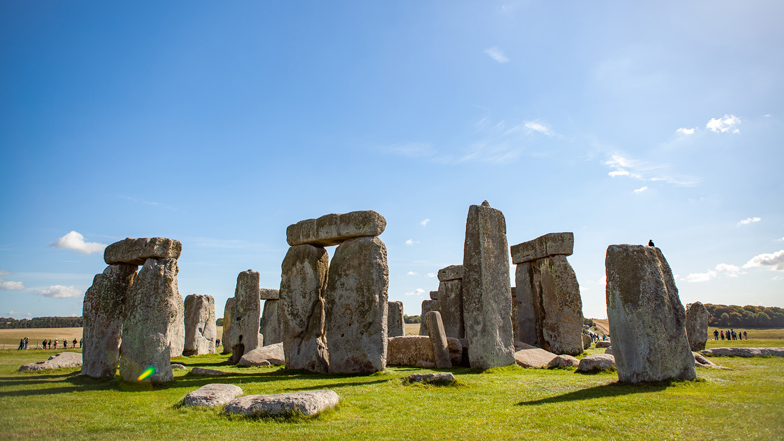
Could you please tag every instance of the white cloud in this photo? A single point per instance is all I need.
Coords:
(411, 273)
(431, 274)
(537, 127)
(416, 292)
(603, 280)
(685, 131)
(497, 55)
(60, 292)
(640, 190)
(619, 173)
(5, 273)
(644, 171)
(724, 267)
(11, 286)
(722, 125)
(700, 277)
(424, 222)
(75, 241)
(780, 240)
(411, 241)
(749, 220)
(774, 261)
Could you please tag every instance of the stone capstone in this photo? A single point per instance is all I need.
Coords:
(452, 272)
(212, 395)
(306, 403)
(200, 329)
(102, 311)
(646, 317)
(552, 244)
(487, 299)
(596, 363)
(228, 313)
(245, 335)
(437, 337)
(204, 371)
(411, 349)
(334, 229)
(270, 323)
(269, 294)
(396, 326)
(137, 251)
(697, 317)
(301, 308)
(356, 306)
(59, 361)
(264, 356)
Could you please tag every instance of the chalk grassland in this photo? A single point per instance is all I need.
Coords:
(412, 328)
(504, 403)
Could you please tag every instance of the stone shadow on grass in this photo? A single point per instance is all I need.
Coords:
(78, 383)
(606, 390)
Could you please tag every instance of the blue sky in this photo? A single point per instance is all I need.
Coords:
(220, 125)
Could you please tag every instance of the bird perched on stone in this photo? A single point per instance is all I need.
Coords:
(650, 243)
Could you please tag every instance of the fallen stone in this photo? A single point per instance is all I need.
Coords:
(409, 349)
(646, 317)
(700, 360)
(306, 403)
(61, 360)
(427, 306)
(596, 363)
(228, 313)
(264, 356)
(269, 294)
(487, 302)
(334, 229)
(563, 361)
(432, 378)
(302, 320)
(534, 358)
(270, 323)
(425, 364)
(178, 366)
(522, 345)
(562, 306)
(102, 311)
(552, 244)
(212, 395)
(697, 317)
(744, 352)
(450, 305)
(452, 272)
(137, 251)
(200, 329)
(603, 344)
(608, 350)
(437, 336)
(204, 371)
(245, 327)
(395, 323)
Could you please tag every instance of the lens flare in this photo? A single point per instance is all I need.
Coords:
(149, 372)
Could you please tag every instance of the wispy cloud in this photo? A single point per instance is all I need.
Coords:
(425, 222)
(749, 221)
(5, 273)
(431, 274)
(640, 190)
(7, 285)
(411, 242)
(75, 241)
(774, 261)
(412, 150)
(685, 131)
(60, 292)
(780, 240)
(416, 292)
(497, 54)
(700, 277)
(644, 171)
(728, 124)
(411, 273)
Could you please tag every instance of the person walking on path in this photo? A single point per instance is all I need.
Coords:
(21, 345)
(26, 342)
(74, 343)
(55, 344)
(65, 344)
(745, 335)
(715, 334)
(44, 344)
(80, 343)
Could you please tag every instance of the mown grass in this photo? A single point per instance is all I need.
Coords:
(502, 403)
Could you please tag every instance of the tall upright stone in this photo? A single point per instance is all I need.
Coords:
(487, 302)
(515, 330)
(356, 306)
(646, 316)
(200, 329)
(697, 317)
(427, 306)
(435, 328)
(103, 307)
(270, 323)
(450, 300)
(396, 326)
(153, 323)
(529, 304)
(301, 308)
(562, 323)
(228, 314)
(247, 315)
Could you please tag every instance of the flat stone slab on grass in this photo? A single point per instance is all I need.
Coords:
(533, 357)
(603, 344)
(434, 378)
(212, 395)
(137, 251)
(596, 363)
(334, 229)
(61, 360)
(203, 371)
(264, 356)
(306, 402)
(563, 361)
(744, 352)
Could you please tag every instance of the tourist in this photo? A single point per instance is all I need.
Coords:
(722, 335)
(74, 343)
(25, 343)
(50, 343)
(740, 336)
(65, 344)
(745, 336)
(44, 344)
(55, 343)
(21, 345)
(80, 343)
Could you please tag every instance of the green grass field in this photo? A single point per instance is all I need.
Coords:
(504, 403)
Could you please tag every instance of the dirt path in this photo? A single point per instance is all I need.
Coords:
(603, 325)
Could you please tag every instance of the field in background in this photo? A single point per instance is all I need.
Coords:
(9, 338)
(412, 328)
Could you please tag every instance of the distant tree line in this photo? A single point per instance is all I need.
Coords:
(219, 322)
(412, 318)
(745, 316)
(41, 322)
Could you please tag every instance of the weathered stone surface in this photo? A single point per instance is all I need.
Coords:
(744, 352)
(562, 323)
(178, 366)
(432, 378)
(700, 360)
(59, 361)
(104, 303)
(534, 358)
(596, 363)
(410, 349)
(272, 354)
(137, 251)
(587, 341)
(153, 323)
(646, 316)
(334, 229)
(529, 323)
(487, 300)
(515, 328)
(205, 371)
(356, 306)
(396, 326)
(603, 344)
(435, 329)
(434, 295)
(450, 305)
(301, 308)
(697, 317)
(608, 350)
(551, 244)
(563, 361)
(269, 294)
(306, 402)
(452, 272)
(212, 395)
(228, 313)
(247, 315)
(427, 306)
(200, 330)
(270, 323)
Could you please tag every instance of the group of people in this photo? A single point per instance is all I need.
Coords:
(47, 343)
(730, 334)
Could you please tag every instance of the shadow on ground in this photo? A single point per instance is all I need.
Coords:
(607, 390)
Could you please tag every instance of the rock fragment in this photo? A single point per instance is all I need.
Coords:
(306, 403)
(596, 363)
(59, 361)
(264, 356)
(212, 395)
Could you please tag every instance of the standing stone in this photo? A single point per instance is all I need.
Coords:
(697, 326)
(270, 323)
(529, 322)
(356, 306)
(103, 307)
(301, 308)
(247, 314)
(450, 300)
(153, 324)
(438, 339)
(427, 306)
(487, 303)
(228, 313)
(200, 331)
(563, 308)
(395, 324)
(515, 330)
(646, 316)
